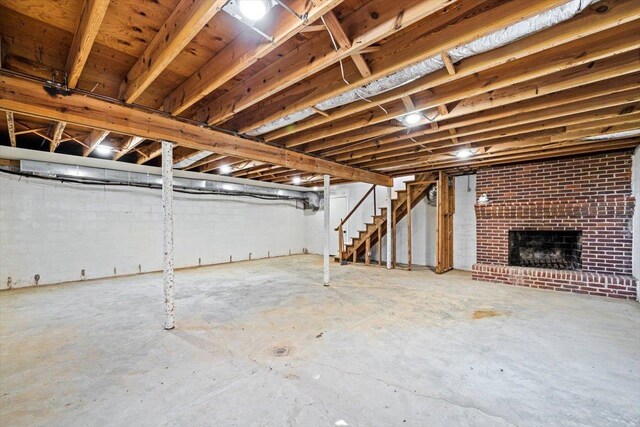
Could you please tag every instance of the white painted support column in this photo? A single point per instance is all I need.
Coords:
(327, 229)
(389, 231)
(167, 232)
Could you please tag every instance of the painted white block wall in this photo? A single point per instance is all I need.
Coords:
(423, 223)
(635, 176)
(57, 230)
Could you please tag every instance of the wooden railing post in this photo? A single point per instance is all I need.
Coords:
(340, 243)
(375, 207)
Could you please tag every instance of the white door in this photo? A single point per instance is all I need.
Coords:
(339, 209)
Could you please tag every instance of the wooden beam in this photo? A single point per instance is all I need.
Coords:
(530, 154)
(91, 18)
(94, 139)
(29, 98)
(56, 135)
(186, 20)
(539, 115)
(585, 98)
(535, 141)
(245, 51)
(11, 126)
(561, 68)
(395, 55)
(448, 63)
(586, 24)
(367, 28)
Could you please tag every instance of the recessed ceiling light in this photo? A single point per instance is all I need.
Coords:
(297, 180)
(464, 153)
(225, 169)
(315, 188)
(103, 150)
(253, 10)
(412, 119)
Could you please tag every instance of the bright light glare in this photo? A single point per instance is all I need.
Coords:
(297, 180)
(412, 118)
(464, 153)
(315, 188)
(225, 169)
(253, 9)
(103, 150)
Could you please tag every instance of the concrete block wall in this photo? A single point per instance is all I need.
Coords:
(56, 230)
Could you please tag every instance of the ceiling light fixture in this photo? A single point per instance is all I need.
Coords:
(253, 10)
(297, 180)
(103, 150)
(412, 119)
(225, 169)
(464, 153)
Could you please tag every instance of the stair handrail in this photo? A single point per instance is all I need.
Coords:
(356, 207)
(339, 227)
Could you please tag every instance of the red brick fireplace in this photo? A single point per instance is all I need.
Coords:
(571, 216)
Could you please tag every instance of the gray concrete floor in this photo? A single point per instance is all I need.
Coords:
(377, 348)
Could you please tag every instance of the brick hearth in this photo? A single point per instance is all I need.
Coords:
(591, 194)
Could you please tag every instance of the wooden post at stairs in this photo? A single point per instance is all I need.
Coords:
(444, 223)
(394, 238)
(367, 254)
(380, 244)
(340, 243)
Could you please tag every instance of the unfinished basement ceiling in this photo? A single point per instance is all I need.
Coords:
(508, 80)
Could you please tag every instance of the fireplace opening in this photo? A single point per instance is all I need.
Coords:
(561, 250)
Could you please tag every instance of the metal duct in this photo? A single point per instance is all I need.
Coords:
(192, 159)
(483, 44)
(616, 135)
(102, 175)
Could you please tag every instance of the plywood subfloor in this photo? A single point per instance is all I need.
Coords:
(377, 348)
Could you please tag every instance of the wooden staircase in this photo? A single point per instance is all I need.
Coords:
(359, 250)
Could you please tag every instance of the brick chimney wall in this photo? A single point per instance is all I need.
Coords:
(592, 194)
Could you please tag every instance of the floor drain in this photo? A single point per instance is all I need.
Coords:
(281, 351)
